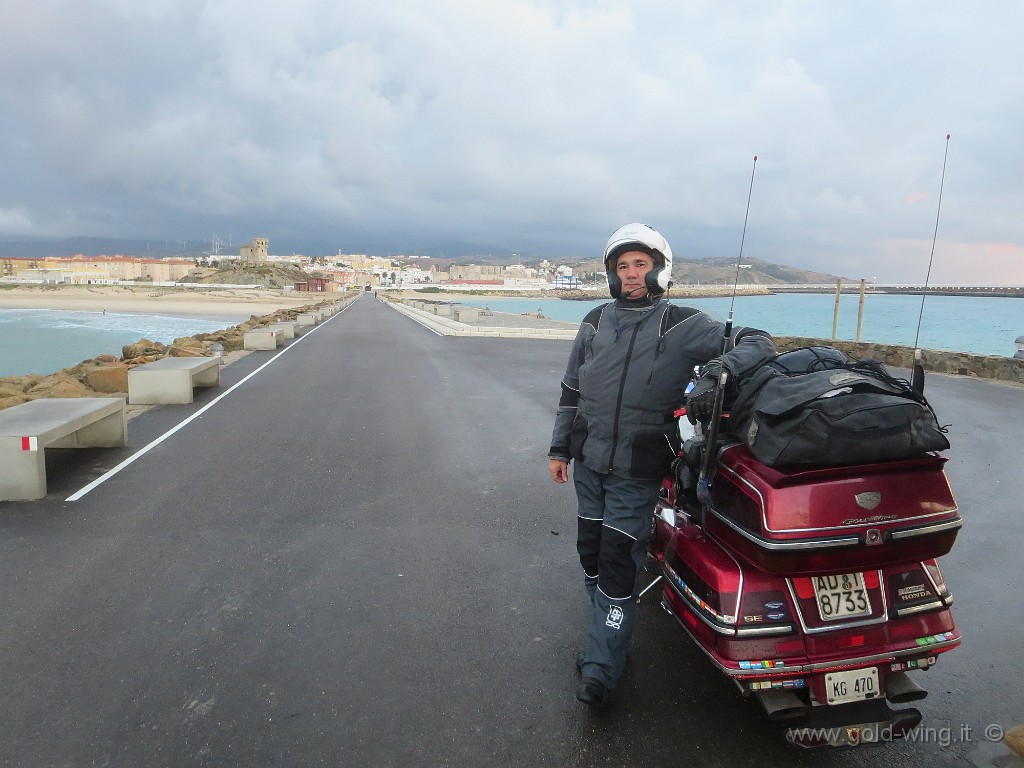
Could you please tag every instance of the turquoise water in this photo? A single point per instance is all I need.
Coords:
(976, 324)
(46, 340)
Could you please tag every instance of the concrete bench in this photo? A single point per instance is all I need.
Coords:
(262, 338)
(289, 328)
(26, 430)
(171, 379)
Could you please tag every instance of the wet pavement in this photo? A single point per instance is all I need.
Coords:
(351, 554)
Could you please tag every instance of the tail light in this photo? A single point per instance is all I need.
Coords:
(931, 567)
(913, 590)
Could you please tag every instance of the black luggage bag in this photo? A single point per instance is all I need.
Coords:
(815, 406)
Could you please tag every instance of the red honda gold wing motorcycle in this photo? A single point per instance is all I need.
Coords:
(816, 589)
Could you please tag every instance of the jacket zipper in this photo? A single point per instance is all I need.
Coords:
(622, 388)
(661, 345)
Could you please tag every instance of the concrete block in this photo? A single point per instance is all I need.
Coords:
(289, 329)
(262, 338)
(26, 430)
(172, 379)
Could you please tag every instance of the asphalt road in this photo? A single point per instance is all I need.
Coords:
(356, 558)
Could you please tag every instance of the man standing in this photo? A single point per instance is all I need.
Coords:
(628, 370)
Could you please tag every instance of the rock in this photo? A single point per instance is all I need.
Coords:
(141, 348)
(1014, 739)
(188, 342)
(143, 359)
(108, 378)
(189, 346)
(12, 391)
(232, 339)
(7, 402)
(20, 384)
(175, 351)
(60, 384)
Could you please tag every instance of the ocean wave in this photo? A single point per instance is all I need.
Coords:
(44, 340)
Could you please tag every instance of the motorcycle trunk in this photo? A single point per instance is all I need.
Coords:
(815, 590)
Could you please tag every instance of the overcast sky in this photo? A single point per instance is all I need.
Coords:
(453, 127)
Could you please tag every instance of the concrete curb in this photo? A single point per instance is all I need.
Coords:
(444, 326)
(990, 367)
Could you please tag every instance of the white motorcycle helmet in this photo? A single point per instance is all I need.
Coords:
(639, 237)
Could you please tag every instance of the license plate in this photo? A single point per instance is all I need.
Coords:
(851, 685)
(842, 596)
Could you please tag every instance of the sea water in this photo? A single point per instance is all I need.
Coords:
(44, 340)
(977, 324)
(47, 340)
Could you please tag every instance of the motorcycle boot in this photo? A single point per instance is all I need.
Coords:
(615, 524)
(593, 693)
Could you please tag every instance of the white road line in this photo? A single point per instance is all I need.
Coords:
(143, 451)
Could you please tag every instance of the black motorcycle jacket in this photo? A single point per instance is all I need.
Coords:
(627, 373)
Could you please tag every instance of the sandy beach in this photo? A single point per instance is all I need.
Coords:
(234, 303)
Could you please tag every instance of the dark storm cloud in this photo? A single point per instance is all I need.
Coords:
(522, 127)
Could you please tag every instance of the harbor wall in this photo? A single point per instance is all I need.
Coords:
(933, 360)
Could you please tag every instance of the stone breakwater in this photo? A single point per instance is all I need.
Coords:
(108, 374)
(682, 291)
(936, 361)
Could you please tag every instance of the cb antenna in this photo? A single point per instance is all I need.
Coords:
(711, 435)
(743, 237)
(917, 380)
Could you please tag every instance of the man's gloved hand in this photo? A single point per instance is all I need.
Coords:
(701, 400)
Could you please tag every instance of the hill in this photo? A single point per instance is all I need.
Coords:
(751, 272)
(268, 275)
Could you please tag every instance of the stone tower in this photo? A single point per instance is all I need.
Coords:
(255, 253)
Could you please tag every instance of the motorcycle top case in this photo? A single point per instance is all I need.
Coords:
(833, 416)
(792, 520)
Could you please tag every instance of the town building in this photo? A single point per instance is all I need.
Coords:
(95, 270)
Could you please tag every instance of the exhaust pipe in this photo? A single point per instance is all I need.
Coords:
(782, 705)
(900, 689)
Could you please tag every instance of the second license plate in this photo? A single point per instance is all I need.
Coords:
(851, 685)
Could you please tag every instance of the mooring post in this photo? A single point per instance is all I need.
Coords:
(835, 313)
(860, 309)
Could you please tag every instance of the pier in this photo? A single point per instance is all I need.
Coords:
(351, 554)
(853, 286)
